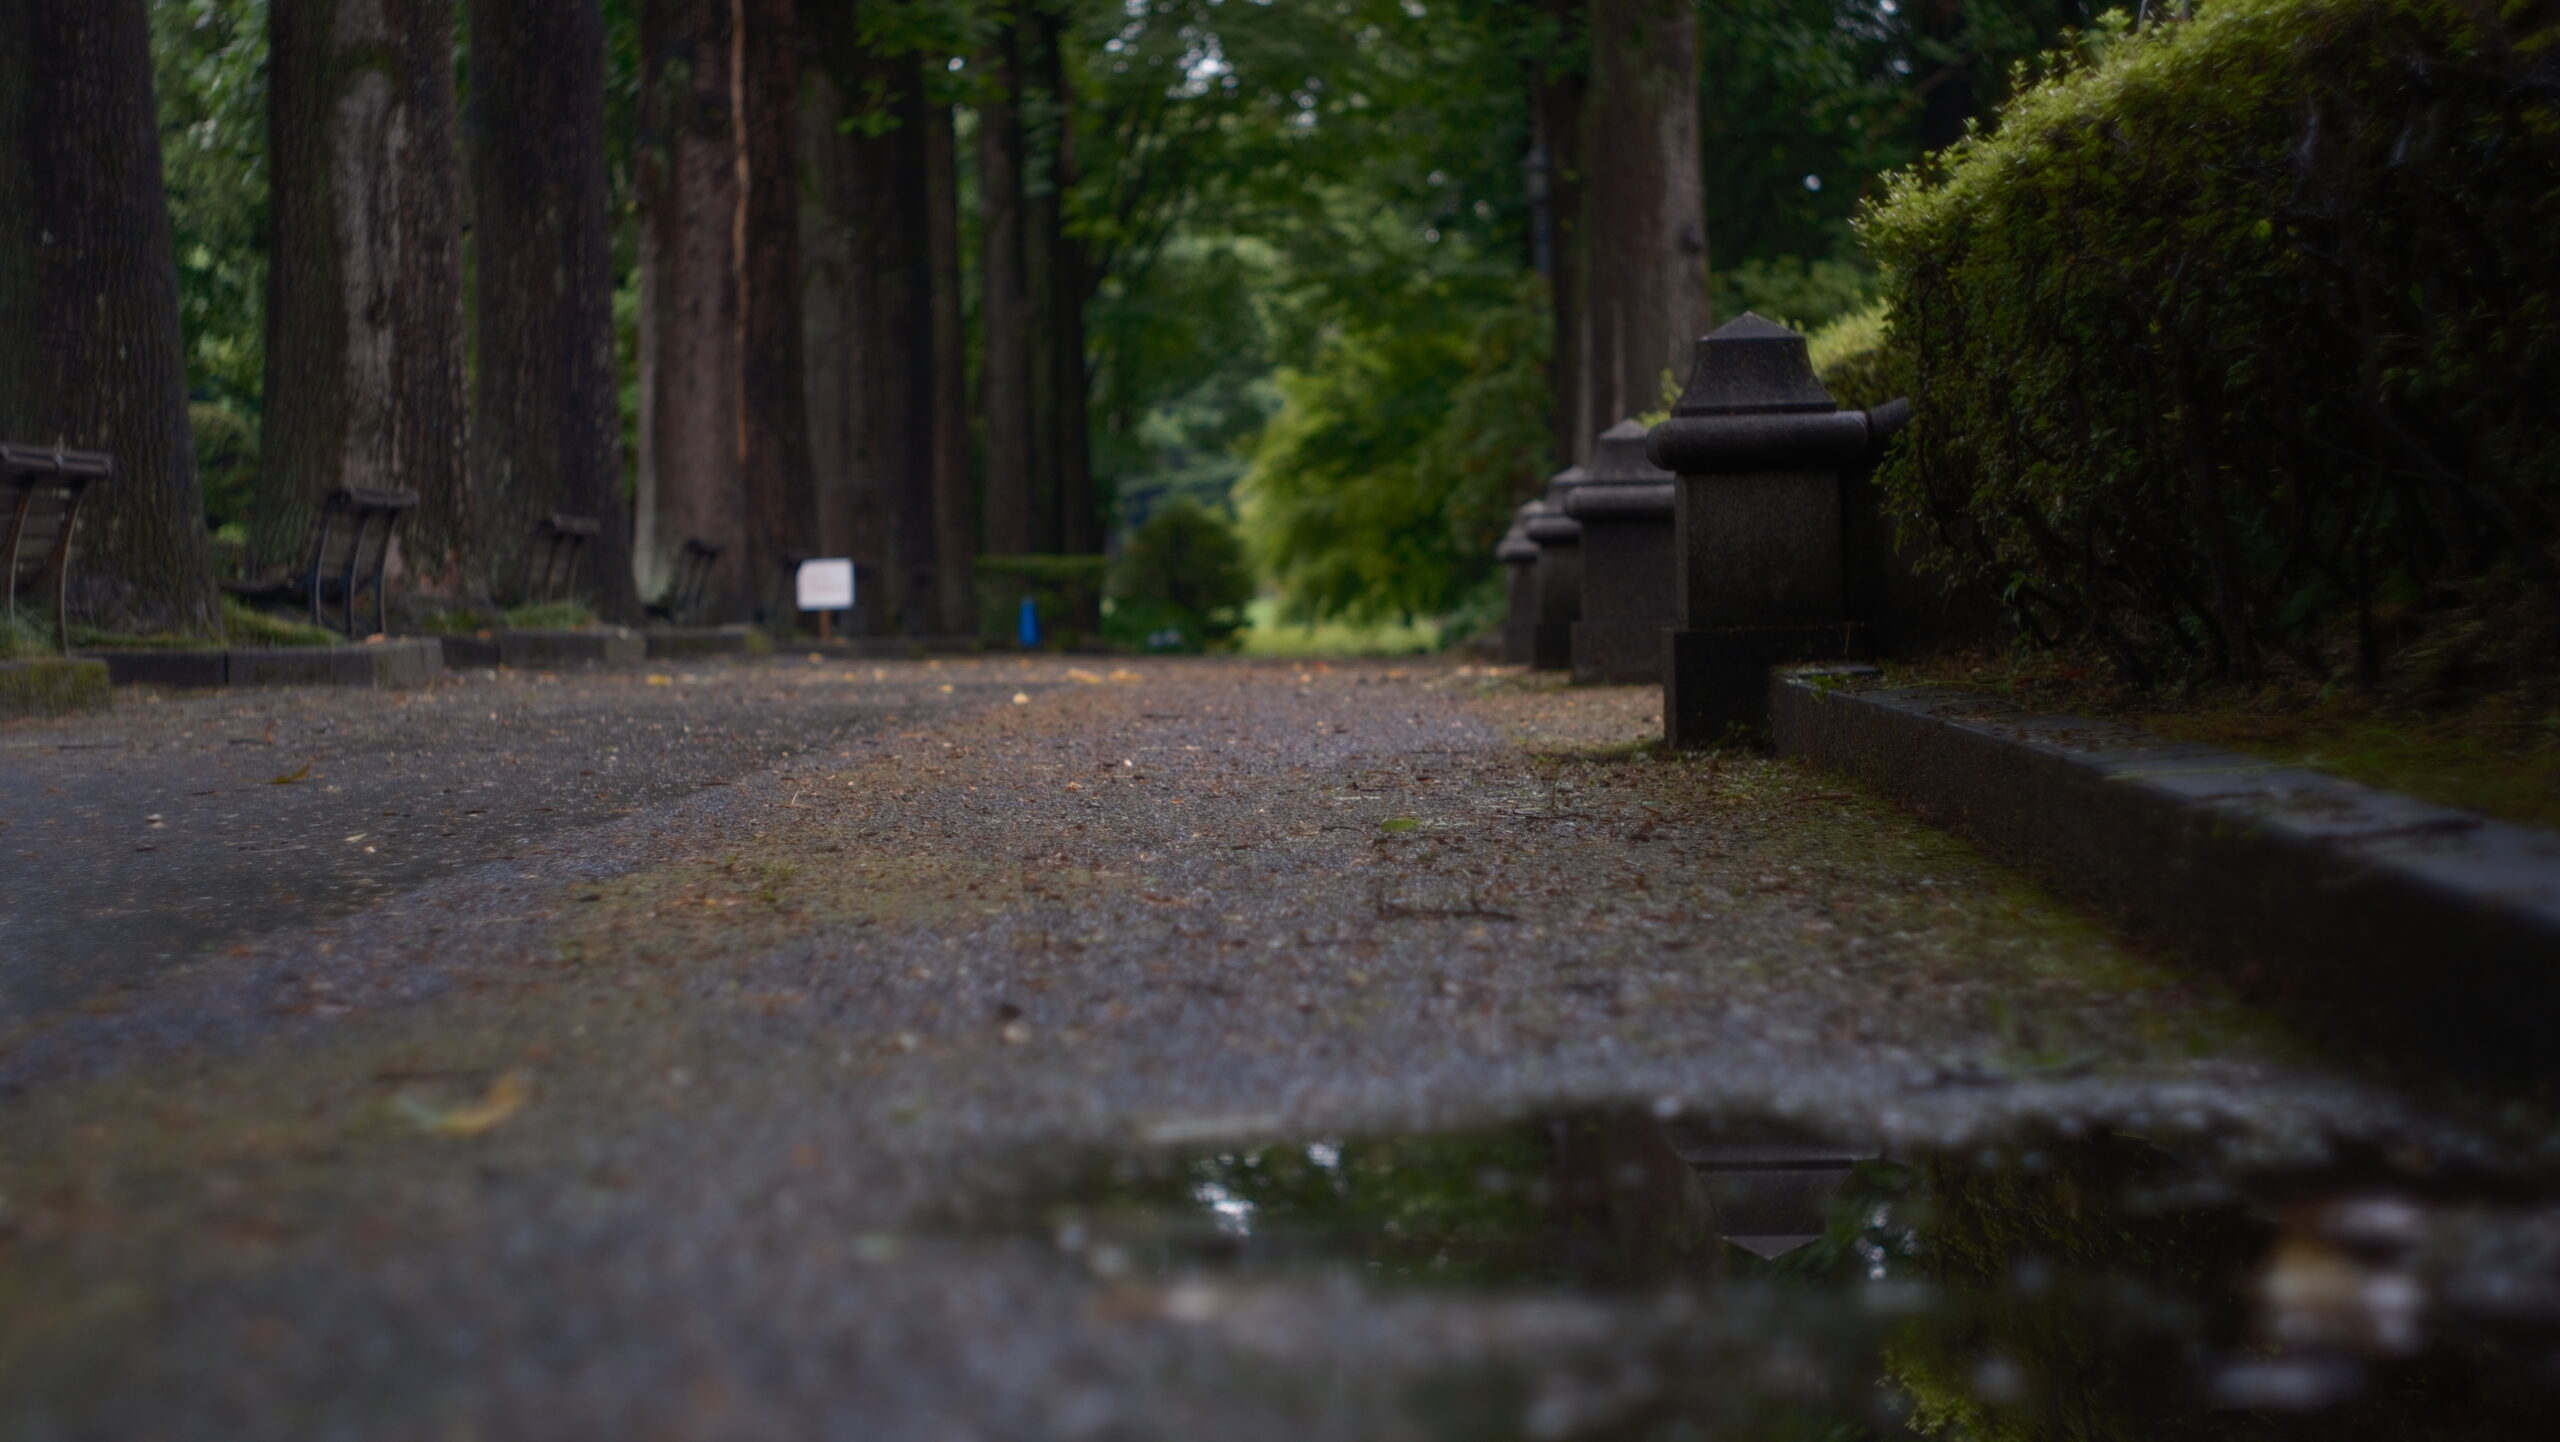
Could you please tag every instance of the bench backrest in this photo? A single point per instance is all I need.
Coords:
(40, 495)
(350, 548)
(551, 562)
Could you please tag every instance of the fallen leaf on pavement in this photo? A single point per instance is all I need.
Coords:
(1399, 823)
(1083, 677)
(293, 778)
(506, 1096)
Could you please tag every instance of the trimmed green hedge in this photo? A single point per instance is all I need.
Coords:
(2243, 329)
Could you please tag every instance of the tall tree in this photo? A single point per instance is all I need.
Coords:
(93, 357)
(879, 320)
(1077, 524)
(1004, 299)
(835, 298)
(955, 507)
(548, 433)
(1559, 90)
(364, 353)
(690, 486)
(773, 430)
(1644, 230)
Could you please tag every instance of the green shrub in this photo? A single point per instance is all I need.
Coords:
(2241, 329)
(227, 460)
(1182, 575)
(1850, 356)
(1067, 589)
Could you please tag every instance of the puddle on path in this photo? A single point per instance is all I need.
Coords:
(1775, 1285)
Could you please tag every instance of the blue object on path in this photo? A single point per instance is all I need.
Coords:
(1027, 629)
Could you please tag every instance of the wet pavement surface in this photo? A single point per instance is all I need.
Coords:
(1118, 1049)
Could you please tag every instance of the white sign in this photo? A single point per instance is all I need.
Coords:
(826, 585)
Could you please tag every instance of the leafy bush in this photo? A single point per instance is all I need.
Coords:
(1849, 355)
(227, 459)
(21, 637)
(1183, 575)
(2239, 332)
(1067, 590)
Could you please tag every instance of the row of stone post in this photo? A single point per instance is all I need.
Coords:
(1707, 550)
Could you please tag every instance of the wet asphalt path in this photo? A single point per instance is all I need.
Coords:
(136, 843)
(744, 1114)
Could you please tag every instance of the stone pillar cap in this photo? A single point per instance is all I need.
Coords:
(1620, 457)
(1548, 525)
(1559, 483)
(1751, 366)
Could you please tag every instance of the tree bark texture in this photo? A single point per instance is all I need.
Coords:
(1043, 215)
(1645, 232)
(1559, 92)
(93, 356)
(689, 202)
(876, 192)
(548, 420)
(849, 507)
(774, 419)
(955, 503)
(1070, 468)
(364, 364)
(1004, 302)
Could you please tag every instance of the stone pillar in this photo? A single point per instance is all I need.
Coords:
(1519, 557)
(1558, 538)
(1759, 446)
(1630, 580)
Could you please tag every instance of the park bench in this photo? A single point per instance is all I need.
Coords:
(551, 562)
(691, 583)
(40, 493)
(349, 551)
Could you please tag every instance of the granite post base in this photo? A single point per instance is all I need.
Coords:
(1715, 684)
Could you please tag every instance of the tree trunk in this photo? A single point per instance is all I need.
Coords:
(364, 372)
(834, 298)
(93, 357)
(1559, 92)
(689, 201)
(774, 423)
(1004, 302)
(549, 433)
(955, 509)
(1071, 286)
(1043, 219)
(1645, 233)
(875, 192)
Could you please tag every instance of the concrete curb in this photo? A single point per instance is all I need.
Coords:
(683, 642)
(53, 686)
(547, 650)
(384, 663)
(2430, 926)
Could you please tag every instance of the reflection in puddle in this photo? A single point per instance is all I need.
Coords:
(1779, 1285)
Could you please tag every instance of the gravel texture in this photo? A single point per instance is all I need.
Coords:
(651, 1081)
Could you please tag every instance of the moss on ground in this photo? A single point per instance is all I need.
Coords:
(249, 626)
(2489, 743)
(52, 686)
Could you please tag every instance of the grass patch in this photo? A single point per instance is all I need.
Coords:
(248, 626)
(550, 616)
(1266, 634)
(21, 638)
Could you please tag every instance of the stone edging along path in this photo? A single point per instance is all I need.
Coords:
(2411, 923)
(405, 662)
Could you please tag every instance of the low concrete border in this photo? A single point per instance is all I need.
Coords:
(677, 643)
(408, 662)
(547, 650)
(53, 686)
(2427, 925)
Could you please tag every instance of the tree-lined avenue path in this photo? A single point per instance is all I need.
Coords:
(670, 1052)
